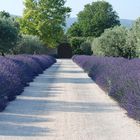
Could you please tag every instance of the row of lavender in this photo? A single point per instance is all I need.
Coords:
(119, 77)
(17, 71)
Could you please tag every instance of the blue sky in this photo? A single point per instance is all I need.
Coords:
(126, 9)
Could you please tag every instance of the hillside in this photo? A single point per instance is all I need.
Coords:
(126, 22)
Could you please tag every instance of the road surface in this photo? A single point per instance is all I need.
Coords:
(63, 103)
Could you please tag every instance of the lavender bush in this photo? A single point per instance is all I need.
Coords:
(17, 71)
(119, 77)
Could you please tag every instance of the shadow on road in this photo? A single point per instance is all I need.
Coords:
(13, 124)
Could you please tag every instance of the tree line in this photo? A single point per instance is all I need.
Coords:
(91, 23)
(97, 30)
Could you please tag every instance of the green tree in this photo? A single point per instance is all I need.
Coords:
(44, 18)
(9, 33)
(4, 14)
(112, 43)
(133, 40)
(28, 44)
(76, 43)
(75, 30)
(86, 48)
(132, 48)
(97, 17)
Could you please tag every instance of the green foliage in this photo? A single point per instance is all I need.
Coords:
(97, 47)
(119, 41)
(29, 44)
(4, 14)
(133, 39)
(44, 18)
(101, 21)
(86, 48)
(76, 43)
(112, 43)
(92, 22)
(9, 34)
(78, 51)
(97, 17)
(75, 30)
(81, 45)
(131, 47)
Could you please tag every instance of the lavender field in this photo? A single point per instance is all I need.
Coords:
(119, 77)
(17, 71)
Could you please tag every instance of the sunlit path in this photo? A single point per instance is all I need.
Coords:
(64, 104)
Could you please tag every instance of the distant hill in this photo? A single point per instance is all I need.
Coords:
(70, 21)
(125, 22)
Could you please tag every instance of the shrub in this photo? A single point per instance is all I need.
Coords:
(75, 30)
(118, 76)
(8, 35)
(112, 43)
(75, 44)
(131, 48)
(29, 44)
(97, 47)
(133, 40)
(86, 48)
(17, 71)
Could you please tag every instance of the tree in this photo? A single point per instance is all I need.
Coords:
(132, 48)
(97, 17)
(86, 48)
(112, 43)
(76, 43)
(44, 18)
(74, 30)
(9, 33)
(4, 14)
(28, 44)
(133, 40)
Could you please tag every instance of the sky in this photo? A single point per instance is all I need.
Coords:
(126, 9)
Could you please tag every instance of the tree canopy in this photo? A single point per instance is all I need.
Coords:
(4, 14)
(75, 30)
(94, 19)
(112, 43)
(44, 18)
(9, 32)
(133, 39)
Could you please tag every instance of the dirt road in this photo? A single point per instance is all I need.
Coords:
(64, 104)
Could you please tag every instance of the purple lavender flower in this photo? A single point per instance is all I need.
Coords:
(16, 71)
(118, 76)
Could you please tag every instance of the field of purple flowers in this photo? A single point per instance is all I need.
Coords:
(119, 77)
(17, 71)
